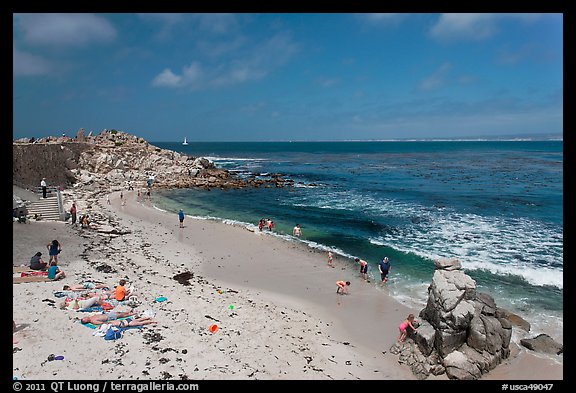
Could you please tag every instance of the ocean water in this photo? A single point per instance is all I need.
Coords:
(496, 206)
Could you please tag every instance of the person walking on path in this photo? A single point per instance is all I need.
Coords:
(181, 218)
(363, 268)
(342, 287)
(54, 248)
(384, 268)
(73, 212)
(43, 185)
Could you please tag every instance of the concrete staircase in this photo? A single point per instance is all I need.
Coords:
(47, 207)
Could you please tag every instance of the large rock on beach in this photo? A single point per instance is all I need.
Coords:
(462, 332)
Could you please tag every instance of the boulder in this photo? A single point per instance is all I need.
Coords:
(543, 343)
(462, 331)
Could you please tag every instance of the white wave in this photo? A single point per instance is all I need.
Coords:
(504, 247)
(303, 185)
(515, 246)
(234, 159)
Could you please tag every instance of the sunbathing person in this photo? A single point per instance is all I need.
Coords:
(130, 322)
(78, 304)
(108, 317)
(85, 285)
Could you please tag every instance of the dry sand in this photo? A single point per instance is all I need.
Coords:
(274, 302)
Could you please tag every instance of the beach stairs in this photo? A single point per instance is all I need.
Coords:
(49, 208)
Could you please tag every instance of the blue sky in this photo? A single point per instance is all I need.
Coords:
(300, 76)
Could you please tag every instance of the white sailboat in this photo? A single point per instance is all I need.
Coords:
(184, 143)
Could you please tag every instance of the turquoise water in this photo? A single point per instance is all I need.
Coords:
(497, 206)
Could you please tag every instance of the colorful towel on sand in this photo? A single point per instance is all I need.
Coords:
(91, 309)
(33, 273)
(92, 326)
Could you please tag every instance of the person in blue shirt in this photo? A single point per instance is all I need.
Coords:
(54, 272)
(181, 218)
(384, 268)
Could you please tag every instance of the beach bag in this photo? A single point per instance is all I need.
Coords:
(113, 333)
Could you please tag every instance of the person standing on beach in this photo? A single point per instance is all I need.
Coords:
(270, 224)
(297, 231)
(73, 212)
(54, 248)
(181, 218)
(342, 287)
(261, 224)
(43, 185)
(363, 268)
(330, 259)
(384, 268)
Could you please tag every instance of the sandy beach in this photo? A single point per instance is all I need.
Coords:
(274, 302)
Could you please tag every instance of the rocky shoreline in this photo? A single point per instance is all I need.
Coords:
(119, 160)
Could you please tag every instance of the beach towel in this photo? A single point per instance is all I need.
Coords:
(33, 273)
(115, 332)
(20, 280)
(91, 309)
(92, 326)
(20, 269)
(100, 330)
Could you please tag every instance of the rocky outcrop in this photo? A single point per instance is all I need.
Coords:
(461, 332)
(117, 160)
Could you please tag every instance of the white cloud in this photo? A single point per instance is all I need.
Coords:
(167, 24)
(64, 29)
(326, 82)
(464, 26)
(437, 79)
(26, 64)
(217, 23)
(472, 26)
(164, 18)
(253, 63)
(383, 18)
(167, 78)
